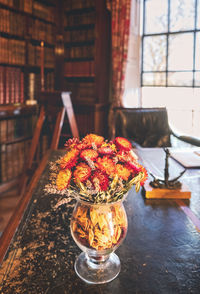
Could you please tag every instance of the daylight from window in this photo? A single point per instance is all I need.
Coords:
(170, 65)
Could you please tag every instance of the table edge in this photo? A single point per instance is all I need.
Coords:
(20, 209)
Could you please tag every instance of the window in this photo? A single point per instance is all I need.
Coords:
(170, 60)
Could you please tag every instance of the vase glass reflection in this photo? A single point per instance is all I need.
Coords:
(98, 230)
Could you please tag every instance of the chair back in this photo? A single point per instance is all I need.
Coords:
(147, 127)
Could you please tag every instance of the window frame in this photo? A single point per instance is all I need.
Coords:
(167, 35)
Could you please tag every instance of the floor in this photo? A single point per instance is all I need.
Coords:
(8, 203)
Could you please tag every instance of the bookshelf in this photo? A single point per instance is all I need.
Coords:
(23, 26)
(16, 130)
(86, 62)
(52, 45)
(27, 65)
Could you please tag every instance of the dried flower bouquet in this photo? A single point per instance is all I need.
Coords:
(96, 170)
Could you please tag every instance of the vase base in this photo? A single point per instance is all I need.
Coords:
(97, 274)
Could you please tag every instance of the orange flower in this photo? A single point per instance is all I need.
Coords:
(123, 172)
(63, 179)
(92, 138)
(89, 153)
(81, 146)
(123, 144)
(109, 144)
(82, 172)
(106, 165)
(70, 159)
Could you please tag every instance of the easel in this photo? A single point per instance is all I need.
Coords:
(52, 105)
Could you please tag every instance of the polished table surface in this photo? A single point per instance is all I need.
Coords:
(161, 252)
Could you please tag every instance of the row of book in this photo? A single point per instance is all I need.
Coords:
(15, 138)
(80, 35)
(12, 51)
(80, 52)
(80, 19)
(43, 11)
(42, 31)
(16, 128)
(34, 84)
(12, 22)
(11, 85)
(78, 4)
(15, 24)
(79, 69)
(14, 153)
(13, 158)
(33, 7)
(22, 5)
(34, 56)
(83, 91)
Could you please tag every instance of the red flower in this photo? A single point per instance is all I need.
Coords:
(99, 179)
(136, 167)
(82, 172)
(71, 143)
(123, 144)
(63, 179)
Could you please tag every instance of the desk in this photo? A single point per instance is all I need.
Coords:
(161, 252)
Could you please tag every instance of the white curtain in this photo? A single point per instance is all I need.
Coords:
(132, 93)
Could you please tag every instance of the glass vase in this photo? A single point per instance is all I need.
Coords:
(98, 230)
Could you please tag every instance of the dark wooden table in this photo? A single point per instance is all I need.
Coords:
(161, 252)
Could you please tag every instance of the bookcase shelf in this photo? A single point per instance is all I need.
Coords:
(80, 27)
(23, 26)
(77, 80)
(27, 58)
(86, 61)
(16, 129)
(27, 11)
(79, 11)
(79, 59)
(46, 2)
(80, 43)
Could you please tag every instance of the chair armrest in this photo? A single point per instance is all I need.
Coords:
(185, 138)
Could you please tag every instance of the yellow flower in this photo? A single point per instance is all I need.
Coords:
(106, 165)
(82, 172)
(123, 172)
(63, 179)
(92, 138)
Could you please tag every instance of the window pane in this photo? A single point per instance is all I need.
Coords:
(182, 14)
(197, 79)
(154, 79)
(180, 79)
(156, 16)
(198, 15)
(154, 54)
(181, 52)
(197, 57)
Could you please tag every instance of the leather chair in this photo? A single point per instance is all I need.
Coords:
(147, 127)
